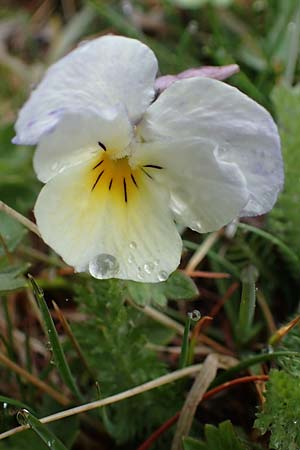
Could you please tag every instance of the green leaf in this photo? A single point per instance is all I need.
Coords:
(58, 353)
(13, 402)
(193, 444)
(291, 342)
(285, 218)
(180, 287)
(52, 442)
(18, 184)
(10, 279)
(222, 437)
(114, 343)
(177, 287)
(252, 361)
(247, 306)
(11, 231)
(23, 441)
(281, 411)
(184, 355)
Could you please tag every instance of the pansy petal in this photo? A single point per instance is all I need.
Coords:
(243, 131)
(206, 193)
(79, 137)
(97, 74)
(101, 231)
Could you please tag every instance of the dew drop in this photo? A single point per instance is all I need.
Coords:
(104, 266)
(195, 315)
(197, 226)
(156, 262)
(132, 245)
(148, 267)
(22, 416)
(162, 275)
(140, 273)
(5, 405)
(130, 259)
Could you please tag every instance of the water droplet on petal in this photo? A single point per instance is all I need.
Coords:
(156, 262)
(140, 273)
(196, 226)
(162, 275)
(130, 259)
(132, 245)
(148, 267)
(104, 266)
(194, 315)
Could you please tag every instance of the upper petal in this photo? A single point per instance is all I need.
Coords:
(205, 193)
(102, 231)
(78, 137)
(242, 130)
(97, 74)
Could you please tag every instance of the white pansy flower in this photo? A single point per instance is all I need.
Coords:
(120, 167)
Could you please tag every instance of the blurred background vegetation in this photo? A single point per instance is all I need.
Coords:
(118, 335)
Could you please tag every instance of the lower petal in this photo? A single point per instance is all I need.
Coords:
(109, 231)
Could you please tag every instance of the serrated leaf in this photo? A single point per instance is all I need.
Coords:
(114, 344)
(222, 437)
(281, 411)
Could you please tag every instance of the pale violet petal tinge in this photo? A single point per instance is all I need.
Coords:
(205, 193)
(98, 74)
(78, 137)
(100, 231)
(243, 132)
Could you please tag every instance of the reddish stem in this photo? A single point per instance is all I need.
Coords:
(206, 274)
(165, 426)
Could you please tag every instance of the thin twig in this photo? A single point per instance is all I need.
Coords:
(72, 338)
(206, 274)
(160, 317)
(165, 379)
(19, 217)
(194, 397)
(266, 312)
(202, 251)
(34, 380)
(166, 425)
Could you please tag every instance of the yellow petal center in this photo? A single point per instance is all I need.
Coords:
(116, 178)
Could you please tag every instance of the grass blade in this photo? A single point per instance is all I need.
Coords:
(185, 344)
(58, 353)
(247, 306)
(25, 418)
